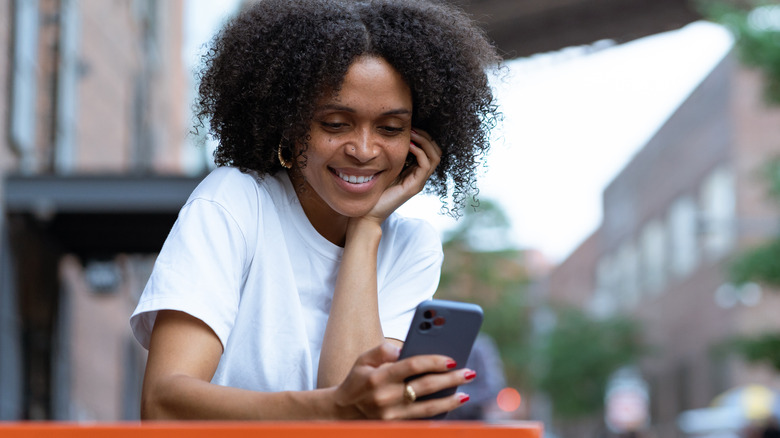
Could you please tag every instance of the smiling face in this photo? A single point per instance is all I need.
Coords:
(359, 140)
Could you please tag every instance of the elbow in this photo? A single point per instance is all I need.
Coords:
(153, 406)
(150, 407)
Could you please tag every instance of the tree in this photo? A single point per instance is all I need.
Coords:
(481, 267)
(572, 362)
(761, 264)
(756, 30)
(578, 356)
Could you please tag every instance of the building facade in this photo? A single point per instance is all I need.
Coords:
(93, 121)
(685, 204)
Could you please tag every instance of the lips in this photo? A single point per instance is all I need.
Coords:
(354, 178)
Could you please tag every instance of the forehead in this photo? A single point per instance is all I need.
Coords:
(372, 78)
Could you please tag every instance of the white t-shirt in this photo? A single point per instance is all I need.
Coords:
(243, 258)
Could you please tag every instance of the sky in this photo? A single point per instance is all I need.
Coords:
(572, 120)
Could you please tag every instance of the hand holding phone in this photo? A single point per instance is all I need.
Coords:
(443, 327)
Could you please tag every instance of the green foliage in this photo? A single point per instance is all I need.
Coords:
(772, 175)
(757, 36)
(761, 263)
(495, 279)
(579, 355)
(760, 349)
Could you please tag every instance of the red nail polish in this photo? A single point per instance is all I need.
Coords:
(470, 374)
(464, 398)
(451, 364)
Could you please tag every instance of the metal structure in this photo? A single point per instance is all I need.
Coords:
(525, 27)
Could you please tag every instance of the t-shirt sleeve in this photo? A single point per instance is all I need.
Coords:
(412, 276)
(199, 271)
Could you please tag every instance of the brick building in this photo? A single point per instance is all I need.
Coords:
(93, 119)
(687, 201)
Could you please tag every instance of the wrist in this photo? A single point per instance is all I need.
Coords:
(338, 410)
(364, 226)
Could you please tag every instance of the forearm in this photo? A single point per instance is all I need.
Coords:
(183, 397)
(353, 324)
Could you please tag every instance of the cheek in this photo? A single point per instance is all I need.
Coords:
(400, 151)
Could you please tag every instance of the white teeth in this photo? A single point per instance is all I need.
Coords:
(355, 179)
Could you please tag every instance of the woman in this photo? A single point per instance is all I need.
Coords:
(285, 289)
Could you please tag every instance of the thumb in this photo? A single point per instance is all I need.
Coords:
(382, 353)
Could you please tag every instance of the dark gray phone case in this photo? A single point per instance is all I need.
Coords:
(443, 327)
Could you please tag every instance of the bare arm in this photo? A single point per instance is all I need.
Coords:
(353, 324)
(184, 354)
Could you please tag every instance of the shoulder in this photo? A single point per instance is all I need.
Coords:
(237, 191)
(411, 233)
(228, 197)
(224, 181)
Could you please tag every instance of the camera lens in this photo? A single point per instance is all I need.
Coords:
(429, 314)
(425, 326)
(439, 321)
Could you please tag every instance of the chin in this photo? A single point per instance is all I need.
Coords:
(354, 210)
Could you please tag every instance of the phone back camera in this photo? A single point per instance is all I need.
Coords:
(425, 326)
(429, 314)
(439, 321)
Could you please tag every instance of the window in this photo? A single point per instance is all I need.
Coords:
(67, 87)
(604, 302)
(627, 262)
(652, 244)
(718, 215)
(683, 245)
(23, 81)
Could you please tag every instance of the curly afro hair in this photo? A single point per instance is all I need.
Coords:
(267, 68)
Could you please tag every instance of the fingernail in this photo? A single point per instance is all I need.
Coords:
(451, 364)
(470, 374)
(414, 131)
(463, 398)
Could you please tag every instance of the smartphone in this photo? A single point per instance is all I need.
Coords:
(443, 327)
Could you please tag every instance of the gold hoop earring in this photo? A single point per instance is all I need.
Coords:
(286, 164)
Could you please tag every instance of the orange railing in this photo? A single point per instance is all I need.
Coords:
(405, 429)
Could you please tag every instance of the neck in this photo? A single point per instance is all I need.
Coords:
(330, 225)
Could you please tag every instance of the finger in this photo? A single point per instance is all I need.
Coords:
(421, 133)
(432, 383)
(428, 156)
(426, 161)
(425, 139)
(382, 353)
(421, 364)
(430, 408)
(430, 147)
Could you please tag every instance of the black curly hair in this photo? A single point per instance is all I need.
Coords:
(267, 68)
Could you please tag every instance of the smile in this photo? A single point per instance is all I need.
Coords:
(352, 179)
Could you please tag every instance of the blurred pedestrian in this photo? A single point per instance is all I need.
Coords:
(483, 391)
(771, 430)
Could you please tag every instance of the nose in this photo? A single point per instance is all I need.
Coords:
(364, 147)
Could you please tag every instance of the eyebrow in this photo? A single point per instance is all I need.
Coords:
(337, 107)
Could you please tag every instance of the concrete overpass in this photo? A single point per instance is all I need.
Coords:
(525, 27)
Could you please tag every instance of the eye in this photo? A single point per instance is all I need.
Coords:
(392, 130)
(333, 125)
